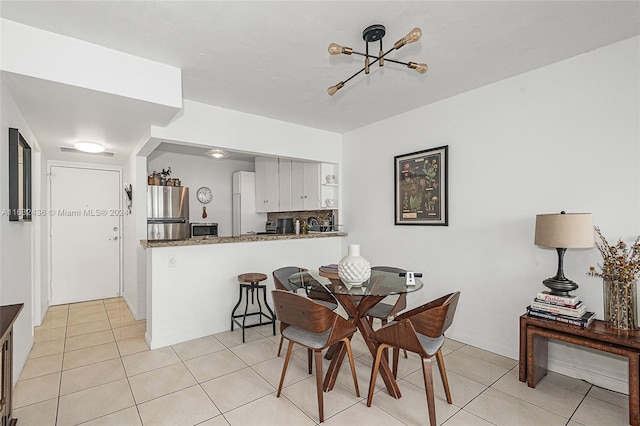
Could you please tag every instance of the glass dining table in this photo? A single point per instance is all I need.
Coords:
(356, 300)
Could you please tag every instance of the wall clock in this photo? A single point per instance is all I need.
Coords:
(205, 195)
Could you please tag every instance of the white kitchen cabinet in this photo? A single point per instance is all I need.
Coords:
(305, 185)
(284, 185)
(267, 197)
(329, 187)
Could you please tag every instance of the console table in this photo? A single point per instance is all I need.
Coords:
(8, 315)
(536, 332)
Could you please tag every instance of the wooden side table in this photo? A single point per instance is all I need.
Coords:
(536, 332)
(8, 315)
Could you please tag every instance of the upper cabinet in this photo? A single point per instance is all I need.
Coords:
(292, 185)
(267, 180)
(305, 185)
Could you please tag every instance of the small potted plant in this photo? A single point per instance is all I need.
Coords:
(164, 175)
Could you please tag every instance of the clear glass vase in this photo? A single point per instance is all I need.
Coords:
(620, 304)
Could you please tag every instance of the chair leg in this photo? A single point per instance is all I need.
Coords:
(443, 375)
(318, 356)
(428, 385)
(396, 355)
(280, 345)
(284, 367)
(309, 358)
(353, 365)
(374, 372)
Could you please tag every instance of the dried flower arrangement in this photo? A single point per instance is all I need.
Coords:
(619, 270)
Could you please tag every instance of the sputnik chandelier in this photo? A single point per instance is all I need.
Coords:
(372, 34)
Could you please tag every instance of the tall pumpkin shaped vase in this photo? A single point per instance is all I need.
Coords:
(354, 269)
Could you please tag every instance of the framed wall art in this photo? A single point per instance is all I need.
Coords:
(421, 194)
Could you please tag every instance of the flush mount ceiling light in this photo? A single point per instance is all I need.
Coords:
(217, 153)
(372, 34)
(90, 147)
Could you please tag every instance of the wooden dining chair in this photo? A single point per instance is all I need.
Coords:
(318, 293)
(315, 327)
(420, 330)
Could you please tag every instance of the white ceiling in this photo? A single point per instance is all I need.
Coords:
(270, 58)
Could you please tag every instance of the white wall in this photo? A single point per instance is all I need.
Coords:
(563, 137)
(195, 172)
(16, 239)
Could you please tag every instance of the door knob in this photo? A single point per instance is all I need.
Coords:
(114, 239)
(115, 228)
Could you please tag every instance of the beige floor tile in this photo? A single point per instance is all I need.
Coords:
(500, 360)
(411, 408)
(474, 368)
(35, 367)
(463, 390)
(54, 322)
(194, 404)
(91, 375)
(115, 304)
(132, 346)
(234, 338)
(363, 372)
(566, 382)
(271, 371)
(127, 417)
(502, 409)
(88, 340)
(80, 305)
(95, 402)
(90, 355)
(41, 334)
(58, 308)
(594, 412)
(256, 352)
(149, 360)
(34, 390)
(268, 411)
(267, 330)
(198, 347)
(159, 382)
(237, 388)
(79, 318)
(451, 345)
(84, 310)
(216, 421)
(130, 331)
(55, 314)
(545, 395)
(214, 365)
(87, 328)
(304, 395)
(48, 347)
(119, 311)
(39, 414)
(124, 321)
(464, 418)
(615, 398)
(361, 415)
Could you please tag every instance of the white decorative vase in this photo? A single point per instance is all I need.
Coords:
(354, 269)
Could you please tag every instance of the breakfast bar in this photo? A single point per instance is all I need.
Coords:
(192, 284)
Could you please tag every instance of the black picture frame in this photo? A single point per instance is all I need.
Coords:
(421, 187)
(19, 177)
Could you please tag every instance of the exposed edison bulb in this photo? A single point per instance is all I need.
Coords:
(414, 35)
(421, 68)
(333, 89)
(336, 49)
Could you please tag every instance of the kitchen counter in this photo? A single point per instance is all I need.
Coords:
(240, 239)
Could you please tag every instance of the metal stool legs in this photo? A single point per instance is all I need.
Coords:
(235, 317)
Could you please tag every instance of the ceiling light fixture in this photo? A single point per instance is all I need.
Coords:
(89, 147)
(217, 153)
(371, 34)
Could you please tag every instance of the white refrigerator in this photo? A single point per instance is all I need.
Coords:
(245, 218)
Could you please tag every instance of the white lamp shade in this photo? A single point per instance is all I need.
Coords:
(568, 230)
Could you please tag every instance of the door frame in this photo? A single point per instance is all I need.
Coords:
(79, 165)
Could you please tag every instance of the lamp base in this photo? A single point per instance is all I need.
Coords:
(560, 286)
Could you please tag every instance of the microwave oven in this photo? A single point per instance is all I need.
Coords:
(204, 230)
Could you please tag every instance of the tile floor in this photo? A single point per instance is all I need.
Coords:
(90, 365)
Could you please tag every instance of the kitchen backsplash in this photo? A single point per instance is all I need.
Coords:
(321, 215)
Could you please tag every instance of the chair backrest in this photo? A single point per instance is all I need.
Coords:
(435, 317)
(294, 309)
(281, 277)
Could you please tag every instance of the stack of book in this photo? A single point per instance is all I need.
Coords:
(567, 309)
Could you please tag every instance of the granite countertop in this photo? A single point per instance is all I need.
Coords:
(240, 239)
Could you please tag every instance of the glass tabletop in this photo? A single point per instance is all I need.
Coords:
(381, 283)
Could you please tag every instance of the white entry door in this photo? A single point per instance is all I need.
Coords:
(85, 219)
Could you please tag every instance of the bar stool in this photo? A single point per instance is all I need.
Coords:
(250, 282)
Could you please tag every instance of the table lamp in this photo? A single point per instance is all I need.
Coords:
(562, 231)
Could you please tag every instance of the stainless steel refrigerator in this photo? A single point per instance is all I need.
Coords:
(168, 213)
(245, 218)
